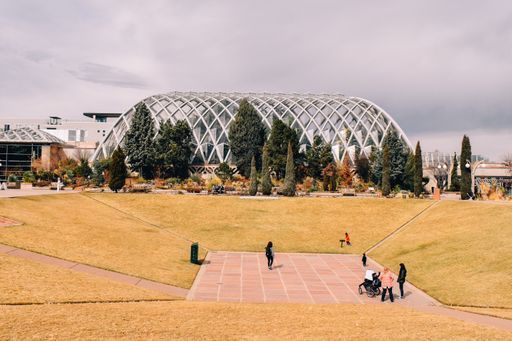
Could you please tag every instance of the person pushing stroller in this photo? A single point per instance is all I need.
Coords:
(371, 283)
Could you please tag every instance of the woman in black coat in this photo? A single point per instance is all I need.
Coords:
(401, 279)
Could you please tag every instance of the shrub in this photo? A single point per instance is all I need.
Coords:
(29, 177)
(118, 170)
(215, 181)
(224, 172)
(196, 178)
(12, 178)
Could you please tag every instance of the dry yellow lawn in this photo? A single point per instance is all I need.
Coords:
(458, 252)
(223, 321)
(293, 224)
(77, 228)
(25, 281)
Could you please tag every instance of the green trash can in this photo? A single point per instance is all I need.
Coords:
(194, 253)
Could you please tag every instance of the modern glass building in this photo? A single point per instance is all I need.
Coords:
(19, 148)
(351, 124)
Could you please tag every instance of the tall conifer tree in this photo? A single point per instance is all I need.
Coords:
(418, 171)
(266, 182)
(454, 177)
(280, 136)
(246, 137)
(386, 184)
(253, 189)
(465, 172)
(362, 167)
(289, 178)
(139, 145)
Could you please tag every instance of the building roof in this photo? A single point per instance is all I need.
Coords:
(350, 124)
(102, 114)
(28, 135)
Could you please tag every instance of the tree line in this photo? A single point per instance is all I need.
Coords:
(260, 155)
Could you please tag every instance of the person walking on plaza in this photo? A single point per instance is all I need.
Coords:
(401, 279)
(269, 252)
(364, 259)
(347, 239)
(387, 284)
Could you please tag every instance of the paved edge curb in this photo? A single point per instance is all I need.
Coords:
(192, 291)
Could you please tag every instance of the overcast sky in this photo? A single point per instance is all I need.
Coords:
(440, 68)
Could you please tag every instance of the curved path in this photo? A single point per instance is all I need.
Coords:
(91, 270)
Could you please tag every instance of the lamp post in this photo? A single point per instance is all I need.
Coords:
(473, 171)
(442, 175)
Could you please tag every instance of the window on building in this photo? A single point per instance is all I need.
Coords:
(101, 119)
(7, 127)
(71, 135)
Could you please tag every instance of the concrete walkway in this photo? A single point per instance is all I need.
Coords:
(91, 270)
(14, 193)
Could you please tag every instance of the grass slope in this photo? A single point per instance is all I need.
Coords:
(222, 321)
(459, 252)
(293, 224)
(25, 281)
(77, 228)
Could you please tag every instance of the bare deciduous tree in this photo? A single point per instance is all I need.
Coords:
(507, 161)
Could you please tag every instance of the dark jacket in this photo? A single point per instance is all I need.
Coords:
(401, 275)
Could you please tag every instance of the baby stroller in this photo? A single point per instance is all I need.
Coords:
(371, 284)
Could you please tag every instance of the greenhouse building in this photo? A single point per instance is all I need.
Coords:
(351, 124)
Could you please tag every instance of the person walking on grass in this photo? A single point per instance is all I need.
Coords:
(387, 284)
(269, 252)
(347, 239)
(401, 279)
(364, 259)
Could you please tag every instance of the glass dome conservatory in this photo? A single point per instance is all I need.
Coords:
(350, 124)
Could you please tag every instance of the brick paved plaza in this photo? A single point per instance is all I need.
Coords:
(298, 278)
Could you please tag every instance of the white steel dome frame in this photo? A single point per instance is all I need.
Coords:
(348, 123)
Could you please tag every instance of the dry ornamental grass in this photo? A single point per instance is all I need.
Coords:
(25, 281)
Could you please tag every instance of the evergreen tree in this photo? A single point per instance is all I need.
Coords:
(330, 177)
(362, 167)
(454, 177)
(174, 149)
(398, 152)
(418, 171)
(376, 165)
(99, 170)
(410, 170)
(318, 157)
(266, 182)
(289, 178)
(139, 144)
(83, 169)
(280, 136)
(224, 172)
(465, 172)
(117, 170)
(253, 189)
(246, 137)
(386, 177)
(346, 174)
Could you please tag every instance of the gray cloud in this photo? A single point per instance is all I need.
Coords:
(108, 75)
(435, 66)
